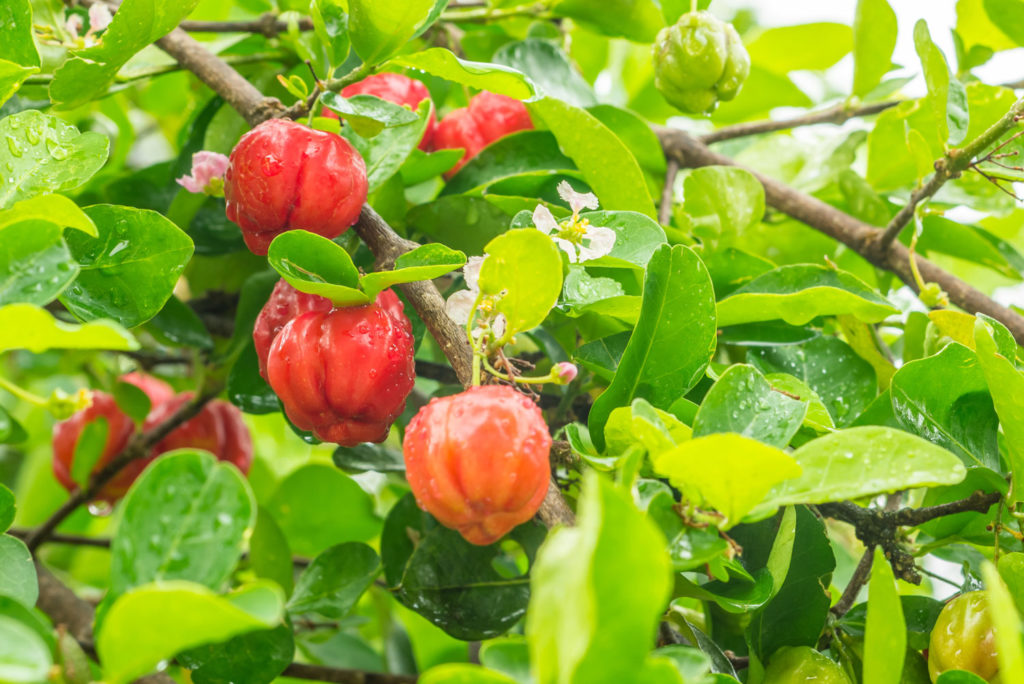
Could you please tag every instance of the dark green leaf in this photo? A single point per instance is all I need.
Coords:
(743, 402)
(387, 151)
(254, 658)
(463, 223)
(246, 387)
(35, 265)
(88, 449)
(602, 356)
(368, 115)
(178, 325)
(132, 400)
(7, 508)
(11, 432)
(269, 554)
(335, 580)
(512, 155)
(421, 166)
(363, 457)
(549, 68)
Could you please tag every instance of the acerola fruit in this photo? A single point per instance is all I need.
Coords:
(345, 373)
(284, 304)
(963, 639)
(798, 664)
(120, 428)
(698, 61)
(478, 461)
(217, 428)
(284, 176)
(487, 118)
(396, 88)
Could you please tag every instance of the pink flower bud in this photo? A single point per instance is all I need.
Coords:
(566, 372)
(208, 169)
(99, 17)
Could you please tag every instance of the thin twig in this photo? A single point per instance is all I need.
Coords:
(335, 675)
(667, 194)
(269, 25)
(838, 114)
(857, 581)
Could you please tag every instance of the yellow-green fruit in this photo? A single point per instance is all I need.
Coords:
(963, 639)
(698, 61)
(799, 664)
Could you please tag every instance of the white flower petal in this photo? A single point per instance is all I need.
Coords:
(499, 325)
(471, 273)
(567, 247)
(99, 17)
(73, 25)
(544, 221)
(460, 305)
(577, 200)
(601, 241)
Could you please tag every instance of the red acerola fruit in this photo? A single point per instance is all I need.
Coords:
(487, 118)
(284, 304)
(396, 88)
(478, 461)
(217, 428)
(345, 373)
(284, 176)
(120, 428)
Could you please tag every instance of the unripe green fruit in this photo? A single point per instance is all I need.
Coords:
(699, 61)
(963, 639)
(799, 664)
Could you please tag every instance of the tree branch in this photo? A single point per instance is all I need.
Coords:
(665, 208)
(857, 581)
(334, 675)
(838, 114)
(268, 24)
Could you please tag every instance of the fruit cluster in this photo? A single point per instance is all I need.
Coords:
(218, 428)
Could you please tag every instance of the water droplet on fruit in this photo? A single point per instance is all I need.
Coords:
(271, 166)
(100, 508)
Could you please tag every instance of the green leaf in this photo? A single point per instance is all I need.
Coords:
(463, 673)
(1006, 623)
(874, 39)
(724, 202)
(130, 270)
(607, 165)
(826, 43)
(35, 265)
(368, 115)
(1008, 18)
(638, 20)
(585, 624)
(11, 77)
(860, 462)
(523, 152)
(25, 326)
(944, 398)
(970, 243)
(91, 70)
(727, 472)
(743, 402)
(380, 29)
(885, 635)
(673, 340)
(45, 154)
(56, 209)
(24, 656)
(298, 506)
(463, 223)
(178, 325)
(636, 133)
(549, 68)
(1006, 385)
(945, 92)
(390, 149)
(154, 622)
(17, 573)
(312, 263)
(800, 293)
(422, 166)
(641, 424)
(185, 518)
(88, 448)
(330, 21)
(7, 508)
(18, 45)
(637, 236)
(426, 262)
(1011, 570)
(269, 553)
(246, 387)
(335, 580)
(364, 457)
(480, 75)
(11, 432)
(254, 657)
(527, 266)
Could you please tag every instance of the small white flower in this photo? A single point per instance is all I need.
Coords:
(99, 17)
(73, 25)
(575, 236)
(577, 200)
(459, 306)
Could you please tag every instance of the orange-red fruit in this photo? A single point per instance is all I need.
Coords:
(396, 88)
(345, 373)
(284, 304)
(487, 118)
(120, 427)
(284, 176)
(217, 428)
(478, 461)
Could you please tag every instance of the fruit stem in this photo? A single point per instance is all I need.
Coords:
(23, 394)
(693, 6)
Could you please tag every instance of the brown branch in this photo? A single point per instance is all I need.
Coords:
(838, 114)
(665, 208)
(978, 502)
(335, 675)
(857, 581)
(69, 539)
(269, 25)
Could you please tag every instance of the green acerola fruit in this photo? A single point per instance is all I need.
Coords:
(699, 61)
(964, 639)
(799, 664)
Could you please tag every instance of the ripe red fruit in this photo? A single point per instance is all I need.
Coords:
(345, 373)
(120, 427)
(487, 118)
(478, 461)
(284, 176)
(396, 88)
(284, 304)
(217, 428)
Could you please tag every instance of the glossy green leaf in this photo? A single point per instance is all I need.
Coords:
(859, 462)
(827, 43)
(1011, 570)
(585, 624)
(673, 340)
(11, 432)
(25, 326)
(178, 325)
(509, 655)
(637, 236)
(1006, 623)
(461, 222)
(800, 293)
(335, 580)
(56, 209)
(641, 424)
(312, 263)
(885, 635)
(368, 115)
(636, 133)
(269, 554)
(88, 449)
(387, 151)
(526, 265)
(364, 457)
(421, 166)
(152, 623)
(874, 39)
(1006, 385)
(463, 673)
(185, 518)
(380, 29)
(129, 271)
(638, 20)
(330, 21)
(549, 68)
(743, 402)
(607, 165)
(24, 656)
(35, 265)
(970, 243)
(726, 472)
(136, 24)
(483, 76)
(254, 657)
(310, 526)
(7, 508)
(945, 92)
(519, 153)
(17, 573)
(426, 262)
(18, 45)
(45, 154)
(11, 77)
(723, 203)
(246, 387)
